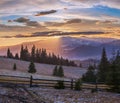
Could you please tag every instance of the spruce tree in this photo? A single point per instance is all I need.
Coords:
(32, 68)
(40, 56)
(78, 85)
(26, 54)
(89, 76)
(33, 50)
(103, 67)
(43, 56)
(113, 76)
(60, 85)
(9, 54)
(14, 66)
(55, 71)
(37, 55)
(16, 56)
(21, 52)
(60, 71)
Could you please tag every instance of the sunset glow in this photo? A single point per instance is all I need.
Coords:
(52, 22)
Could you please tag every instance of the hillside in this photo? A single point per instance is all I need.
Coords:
(6, 66)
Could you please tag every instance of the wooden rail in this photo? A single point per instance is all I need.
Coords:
(45, 82)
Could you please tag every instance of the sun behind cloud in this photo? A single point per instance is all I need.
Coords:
(58, 18)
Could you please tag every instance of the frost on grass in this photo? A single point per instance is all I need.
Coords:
(6, 65)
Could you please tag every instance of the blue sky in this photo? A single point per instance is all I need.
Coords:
(58, 15)
(93, 11)
(12, 9)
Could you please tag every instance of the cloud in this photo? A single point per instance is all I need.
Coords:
(83, 3)
(33, 24)
(6, 37)
(36, 34)
(111, 3)
(22, 20)
(82, 25)
(55, 33)
(28, 22)
(28, 28)
(67, 21)
(92, 3)
(9, 21)
(76, 33)
(16, 36)
(54, 23)
(73, 21)
(20, 7)
(106, 22)
(45, 13)
(20, 36)
(67, 15)
(77, 8)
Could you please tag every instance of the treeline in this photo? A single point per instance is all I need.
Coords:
(107, 72)
(39, 56)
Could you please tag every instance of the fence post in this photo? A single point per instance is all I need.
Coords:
(31, 80)
(72, 84)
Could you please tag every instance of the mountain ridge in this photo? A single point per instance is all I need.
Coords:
(72, 47)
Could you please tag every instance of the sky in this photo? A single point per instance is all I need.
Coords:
(31, 20)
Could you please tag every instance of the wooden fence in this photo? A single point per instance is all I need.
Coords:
(35, 82)
(32, 82)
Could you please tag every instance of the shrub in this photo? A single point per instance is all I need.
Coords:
(60, 85)
(78, 84)
(32, 68)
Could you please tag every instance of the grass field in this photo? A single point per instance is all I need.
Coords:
(6, 68)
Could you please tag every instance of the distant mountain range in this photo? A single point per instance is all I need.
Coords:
(73, 47)
(84, 48)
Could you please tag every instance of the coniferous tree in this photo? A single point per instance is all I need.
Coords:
(21, 52)
(37, 56)
(113, 76)
(49, 58)
(9, 54)
(33, 50)
(41, 56)
(55, 71)
(78, 84)
(44, 55)
(60, 85)
(89, 76)
(14, 66)
(26, 54)
(60, 71)
(103, 67)
(16, 56)
(32, 68)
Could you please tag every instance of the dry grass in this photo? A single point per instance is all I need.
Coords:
(6, 67)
